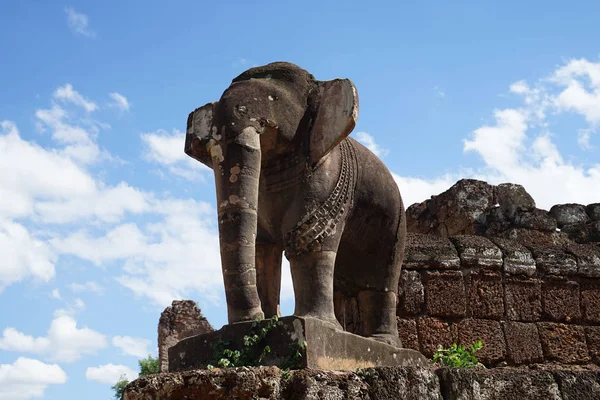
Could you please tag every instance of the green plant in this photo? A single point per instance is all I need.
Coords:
(457, 356)
(119, 387)
(149, 365)
(293, 360)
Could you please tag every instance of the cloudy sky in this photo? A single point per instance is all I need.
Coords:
(103, 219)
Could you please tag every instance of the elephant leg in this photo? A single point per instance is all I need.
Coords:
(377, 311)
(312, 275)
(268, 277)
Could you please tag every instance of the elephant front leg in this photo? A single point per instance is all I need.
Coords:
(312, 275)
(268, 277)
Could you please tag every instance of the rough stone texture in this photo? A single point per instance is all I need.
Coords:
(554, 260)
(457, 211)
(593, 211)
(411, 292)
(517, 259)
(588, 259)
(490, 333)
(433, 332)
(477, 251)
(428, 251)
(407, 331)
(523, 343)
(461, 384)
(592, 337)
(580, 233)
(590, 301)
(560, 300)
(523, 299)
(580, 385)
(567, 214)
(537, 219)
(446, 295)
(180, 320)
(486, 296)
(563, 343)
(513, 198)
(529, 237)
(401, 383)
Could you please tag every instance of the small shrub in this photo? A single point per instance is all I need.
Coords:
(457, 356)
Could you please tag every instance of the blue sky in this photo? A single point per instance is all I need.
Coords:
(104, 220)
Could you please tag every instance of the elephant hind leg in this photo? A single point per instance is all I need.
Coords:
(268, 277)
(377, 311)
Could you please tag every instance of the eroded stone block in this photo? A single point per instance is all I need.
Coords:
(429, 252)
(523, 343)
(588, 259)
(412, 294)
(446, 295)
(563, 343)
(578, 385)
(553, 260)
(490, 333)
(486, 296)
(567, 214)
(560, 300)
(433, 332)
(517, 258)
(590, 301)
(592, 336)
(477, 251)
(523, 299)
(407, 331)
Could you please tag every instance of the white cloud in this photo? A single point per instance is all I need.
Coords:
(119, 101)
(89, 286)
(137, 347)
(56, 294)
(109, 374)
(416, 190)
(369, 142)
(166, 149)
(66, 93)
(77, 306)
(27, 378)
(78, 23)
(64, 341)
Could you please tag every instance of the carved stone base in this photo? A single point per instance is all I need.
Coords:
(295, 343)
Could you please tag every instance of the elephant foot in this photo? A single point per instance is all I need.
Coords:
(332, 321)
(388, 338)
(246, 316)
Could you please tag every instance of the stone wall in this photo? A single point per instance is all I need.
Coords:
(527, 303)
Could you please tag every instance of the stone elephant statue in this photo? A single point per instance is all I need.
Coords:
(289, 179)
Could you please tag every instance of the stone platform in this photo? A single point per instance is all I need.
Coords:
(297, 343)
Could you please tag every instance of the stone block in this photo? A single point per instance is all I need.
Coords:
(513, 198)
(396, 383)
(563, 343)
(588, 259)
(446, 295)
(553, 260)
(325, 347)
(486, 296)
(578, 385)
(429, 252)
(412, 294)
(492, 384)
(567, 214)
(592, 337)
(523, 299)
(593, 211)
(490, 333)
(522, 343)
(537, 220)
(579, 233)
(433, 332)
(517, 258)
(560, 300)
(477, 252)
(590, 301)
(407, 331)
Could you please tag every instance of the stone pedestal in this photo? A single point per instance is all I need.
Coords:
(295, 342)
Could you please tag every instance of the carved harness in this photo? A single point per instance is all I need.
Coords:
(321, 221)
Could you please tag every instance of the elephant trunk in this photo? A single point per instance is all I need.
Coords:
(236, 165)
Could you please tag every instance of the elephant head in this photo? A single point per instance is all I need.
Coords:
(267, 112)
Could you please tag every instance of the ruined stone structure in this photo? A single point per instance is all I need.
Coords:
(180, 320)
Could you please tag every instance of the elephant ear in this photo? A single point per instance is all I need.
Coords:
(198, 133)
(335, 112)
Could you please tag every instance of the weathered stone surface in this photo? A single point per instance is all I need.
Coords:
(433, 332)
(457, 211)
(523, 299)
(537, 219)
(592, 337)
(523, 343)
(446, 295)
(494, 222)
(517, 259)
(490, 333)
(326, 347)
(593, 211)
(563, 343)
(579, 385)
(529, 237)
(463, 384)
(580, 233)
(588, 259)
(560, 300)
(477, 251)
(486, 296)
(412, 293)
(400, 383)
(553, 260)
(567, 214)
(590, 301)
(513, 198)
(180, 320)
(428, 251)
(407, 331)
